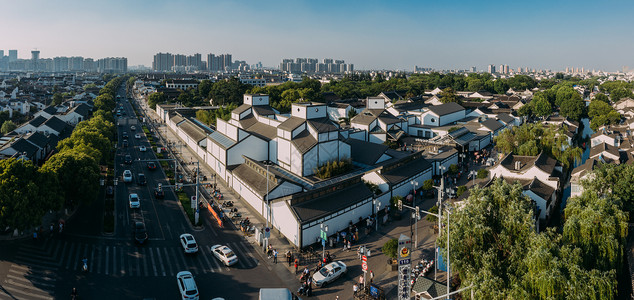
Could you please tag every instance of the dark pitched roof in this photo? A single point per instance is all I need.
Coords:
(263, 110)
(291, 123)
(51, 110)
(432, 287)
(405, 171)
(446, 108)
(256, 180)
(304, 141)
(603, 147)
(506, 118)
(21, 145)
(81, 109)
(367, 116)
(222, 140)
(331, 202)
(38, 139)
(242, 108)
(56, 124)
(492, 124)
(37, 121)
(364, 152)
(264, 131)
(540, 189)
(322, 125)
(586, 168)
(193, 131)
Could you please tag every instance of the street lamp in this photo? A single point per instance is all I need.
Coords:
(376, 214)
(473, 173)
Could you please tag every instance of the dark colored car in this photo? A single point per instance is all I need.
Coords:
(124, 144)
(110, 191)
(140, 233)
(128, 159)
(159, 193)
(142, 180)
(125, 135)
(151, 166)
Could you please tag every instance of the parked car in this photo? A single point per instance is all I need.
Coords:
(134, 200)
(224, 254)
(187, 285)
(329, 273)
(140, 233)
(142, 180)
(127, 176)
(189, 243)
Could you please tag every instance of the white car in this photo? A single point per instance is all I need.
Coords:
(142, 148)
(187, 285)
(132, 128)
(137, 136)
(329, 273)
(189, 243)
(135, 202)
(127, 176)
(224, 254)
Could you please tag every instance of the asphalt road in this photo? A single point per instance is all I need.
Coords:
(118, 268)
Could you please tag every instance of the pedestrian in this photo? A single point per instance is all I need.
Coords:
(349, 246)
(361, 280)
(345, 245)
(355, 289)
(274, 256)
(296, 265)
(371, 276)
(288, 257)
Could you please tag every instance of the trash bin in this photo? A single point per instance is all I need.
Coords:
(331, 242)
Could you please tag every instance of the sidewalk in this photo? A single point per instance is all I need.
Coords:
(377, 262)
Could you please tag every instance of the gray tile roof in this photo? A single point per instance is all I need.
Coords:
(406, 171)
(364, 152)
(492, 124)
(263, 110)
(242, 108)
(446, 108)
(432, 287)
(193, 131)
(322, 125)
(39, 120)
(56, 124)
(331, 202)
(38, 139)
(506, 118)
(291, 123)
(304, 141)
(603, 147)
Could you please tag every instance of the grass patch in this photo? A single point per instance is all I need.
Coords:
(186, 202)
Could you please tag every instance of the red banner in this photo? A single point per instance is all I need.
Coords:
(213, 213)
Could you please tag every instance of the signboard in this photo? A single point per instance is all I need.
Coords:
(364, 258)
(323, 235)
(267, 232)
(364, 266)
(404, 257)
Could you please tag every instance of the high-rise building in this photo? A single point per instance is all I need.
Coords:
(491, 69)
(163, 62)
(112, 65)
(76, 63)
(35, 57)
(13, 55)
(473, 69)
(180, 60)
(195, 62)
(89, 65)
(227, 63)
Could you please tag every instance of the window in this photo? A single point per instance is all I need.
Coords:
(433, 120)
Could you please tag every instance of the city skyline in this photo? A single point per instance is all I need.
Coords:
(454, 35)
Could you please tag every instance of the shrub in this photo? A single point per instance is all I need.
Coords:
(334, 168)
(483, 173)
(432, 218)
(461, 190)
(390, 248)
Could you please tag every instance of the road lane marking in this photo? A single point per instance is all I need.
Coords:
(145, 258)
(122, 250)
(209, 266)
(169, 266)
(160, 261)
(92, 258)
(153, 263)
(30, 295)
(107, 259)
(70, 256)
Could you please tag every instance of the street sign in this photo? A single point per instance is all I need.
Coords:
(404, 267)
(267, 232)
(364, 258)
(323, 235)
(364, 266)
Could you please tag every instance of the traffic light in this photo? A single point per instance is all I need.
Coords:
(417, 213)
(400, 204)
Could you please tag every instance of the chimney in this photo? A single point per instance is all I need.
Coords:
(518, 165)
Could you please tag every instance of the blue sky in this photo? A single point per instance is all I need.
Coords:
(371, 34)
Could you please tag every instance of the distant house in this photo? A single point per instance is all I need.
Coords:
(539, 175)
(579, 173)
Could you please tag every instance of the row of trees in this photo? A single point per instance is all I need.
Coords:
(532, 138)
(495, 247)
(69, 177)
(209, 117)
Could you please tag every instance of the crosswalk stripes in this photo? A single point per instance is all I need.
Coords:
(122, 262)
(169, 266)
(137, 257)
(107, 254)
(91, 267)
(161, 263)
(206, 258)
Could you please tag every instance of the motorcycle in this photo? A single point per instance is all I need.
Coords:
(74, 294)
(84, 265)
(227, 204)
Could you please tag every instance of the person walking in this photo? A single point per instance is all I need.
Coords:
(349, 246)
(371, 276)
(296, 265)
(275, 256)
(355, 289)
(288, 257)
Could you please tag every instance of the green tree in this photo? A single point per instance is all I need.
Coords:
(621, 93)
(572, 107)
(156, 98)
(8, 126)
(482, 173)
(26, 194)
(541, 106)
(461, 190)
(448, 95)
(490, 236)
(390, 248)
(428, 184)
(564, 93)
(105, 102)
(78, 175)
(57, 99)
(602, 97)
(204, 87)
(229, 91)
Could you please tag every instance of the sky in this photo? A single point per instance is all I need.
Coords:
(370, 34)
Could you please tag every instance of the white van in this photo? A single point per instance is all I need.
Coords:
(277, 294)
